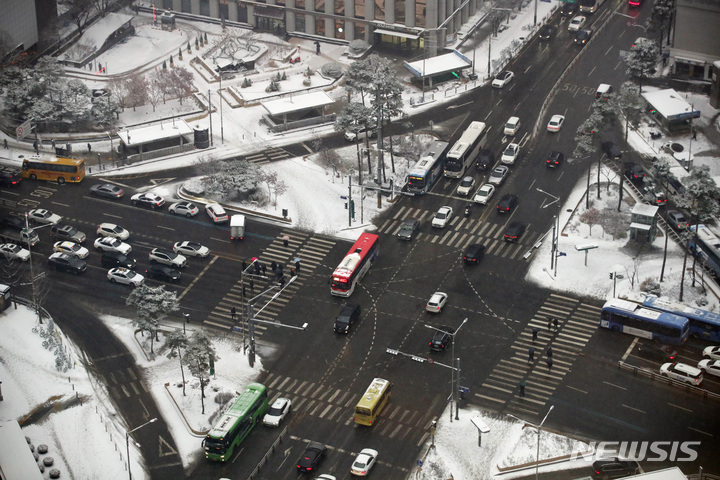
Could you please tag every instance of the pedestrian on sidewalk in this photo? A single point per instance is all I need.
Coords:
(548, 352)
(35, 146)
(556, 324)
(5, 143)
(89, 148)
(531, 354)
(694, 132)
(317, 47)
(52, 142)
(252, 286)
(549, 363)
(535, 334)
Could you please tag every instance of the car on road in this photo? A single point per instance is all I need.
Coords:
(437, 302)
(360, 133)
(677, 220)
(112, 244)
(485, 159)
(713, 352)
(473, 253)
(441, 338)
(503, 78)
(14, 252)
(192, 249)
(67, 232)
(125, 276)
(633, 171)
(511, 126)
(498, 175)
(107, 190)
(147, 200)
(510, 154)
(44, 217)
(682, 373)
(569, 9)
(466, 185)
(9, 179)
(162, 272)
(606, 468)
(576, 23)
(364, 462)
(611, 150)
(311, 457)
(507, 203)
(546, 32)
(117, 259)
(277, 412)
(583, 36)
(188, 209)
(349, 314)
(514, 231)
(71, 248)
(408, 229)
(555, 123)
(659, 353)
(166, 257)
(554, 159)
(216, 213)
(65, 263)
(711, 367)
(442, 217)
(326, 476)
(112, 230)
(603, 91)
(484, 193)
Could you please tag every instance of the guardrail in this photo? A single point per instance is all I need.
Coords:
(670, 381)
(268, 454)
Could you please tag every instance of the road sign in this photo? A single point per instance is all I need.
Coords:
(23, 130)
(419, 463)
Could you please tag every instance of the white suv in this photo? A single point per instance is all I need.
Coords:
(166, 257)
(216, 213)
(682, 373)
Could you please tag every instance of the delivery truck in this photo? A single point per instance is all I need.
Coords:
(237, 227)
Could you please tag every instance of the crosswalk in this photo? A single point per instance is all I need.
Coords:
(287, 247)
(577, 322)
(269, 155)
(338, 405)
(462, 231)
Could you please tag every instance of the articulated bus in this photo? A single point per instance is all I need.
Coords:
(57, 169)
(236, 423)
(463, 153)
(427, 169)
(372, 402)
(703, 324)
(635, 319)
(707, 248)
(355, 264)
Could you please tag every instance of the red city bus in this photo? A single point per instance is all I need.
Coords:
(355, 264)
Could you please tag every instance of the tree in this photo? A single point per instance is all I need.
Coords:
(591, 217)
(354, 117)
(181, 83)
(119, 91)
(198, 355)
(153, 305)
(175, 343)
(661, 19)
(275, 186)
(102, 6)
(642, 59)
(628, 103)
(156, 87)
(137, 90)
(79, 11)
(231, 177)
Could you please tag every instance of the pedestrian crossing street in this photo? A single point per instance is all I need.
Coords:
(577, 323)
(310, 250)
(269, 155)
(462, 231)
(338, 405)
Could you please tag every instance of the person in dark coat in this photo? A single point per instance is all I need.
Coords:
(531, 354)
(549, 352)
(273, 266)
(263, 268)
(534, 334)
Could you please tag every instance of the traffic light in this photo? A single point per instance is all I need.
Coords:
(346, 205)
(611, 275)
(352, 208)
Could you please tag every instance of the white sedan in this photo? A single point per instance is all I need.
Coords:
(442, 217)
(110, 244)
(364, 462)
(14, 252)
(484, 194)
(502, 79)
(510, 154)
(112, 230)
(192, 249)
(555, 123)
(40, 215)
(184, 208)
(713, 353)
(466, 185)
(577, 23)
(71, 248)
(125, 276)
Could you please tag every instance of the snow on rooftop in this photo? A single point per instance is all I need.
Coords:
(167, 129)
(667, 102)
(295, 103)
(440, 64)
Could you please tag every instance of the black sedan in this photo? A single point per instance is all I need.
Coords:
(117, 259)
(66, 263)
(408, 229)
(514, 231)
(507, 203)
(546, 32)
(311, 457)
(162, 272)
(473, 253)
(107, 190)
(583, 36)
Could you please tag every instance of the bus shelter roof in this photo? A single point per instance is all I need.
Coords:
(153, 133)
(448, 62)
(297, 103)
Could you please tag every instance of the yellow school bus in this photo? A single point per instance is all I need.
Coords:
(57, 169)
(372, 402)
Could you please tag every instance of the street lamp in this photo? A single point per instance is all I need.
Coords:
(453, 389)
(127, 443)
(538, 428)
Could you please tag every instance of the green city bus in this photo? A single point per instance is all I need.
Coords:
(236, 423)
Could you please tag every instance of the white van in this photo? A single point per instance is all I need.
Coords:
(237, 227)
(602, 91)
(512, 125)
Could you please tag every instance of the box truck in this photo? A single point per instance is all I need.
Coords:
(237, 227)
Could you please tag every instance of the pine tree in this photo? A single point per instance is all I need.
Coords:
(198, 355)
(153, 305)
(175, 343)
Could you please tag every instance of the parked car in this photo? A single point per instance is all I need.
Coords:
(502, 79)
(408, 229)
(437, 302)
(682, 373)
(125, 277)
(166, 257)
(498, 175)
(188, 209)
(148, 200)
(364, 462)
(65, 263)
(466, 185)
(67, 232)
(311, 457)
(606, 468)
(555, 123)
(44, 217)
(107, 190)
(484, 194)
(442, 217)
(162, 272)
(554, 159)
(514, 231)
(507, 203)
(473, 253)
(277, 412)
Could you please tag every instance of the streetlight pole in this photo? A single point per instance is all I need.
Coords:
(538, 428)
(453, 389)
(127, 444)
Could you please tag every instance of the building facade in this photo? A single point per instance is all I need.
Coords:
(400, 25)
(696, 39)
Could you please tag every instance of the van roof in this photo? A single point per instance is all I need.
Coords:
(604, 87)
(687, 369)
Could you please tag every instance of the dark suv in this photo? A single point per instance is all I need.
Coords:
(614, 468)
(473, 253)
(485, 159)
(635, 172)
(348, 315)
(441, 339)
(611, 150)
(660, 353)
(9, 179)
(554, 159)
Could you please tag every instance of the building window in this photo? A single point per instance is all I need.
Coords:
(319, 7)
(420, 12)
(359, 8)
(205, 7)
(359, 31)
(242, 13)
(168, 4)
(300, 22)
(380, 10)
(186, 6)
(399, 12)
(300, 4)
(340, 7)
(340, 29)
(280, 2)
(224, 11)
(320, 26)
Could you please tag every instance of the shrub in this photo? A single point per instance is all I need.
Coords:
(307, 82)
(358, 46)
(650, 285)
(332, 70)
(309, 72)
(246, 82)
(223, 397)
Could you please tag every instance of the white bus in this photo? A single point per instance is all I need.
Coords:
(428, 168)
(463, 153)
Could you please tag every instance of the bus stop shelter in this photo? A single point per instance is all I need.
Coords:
(298, 111)
(153, 141)
(439, 69)
(671, 110)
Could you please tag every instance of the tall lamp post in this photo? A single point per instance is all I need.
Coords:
(127, 443)
(453, 387)
(538, 428)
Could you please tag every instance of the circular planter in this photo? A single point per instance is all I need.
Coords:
(676, 147)
(54, 473)
(48, 461)
(42, 448)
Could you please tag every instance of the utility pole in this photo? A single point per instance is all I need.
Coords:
(379, 146)
(210, 115)
(350, 200)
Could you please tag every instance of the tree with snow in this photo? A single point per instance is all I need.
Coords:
(353, 118)
(157, 87)
(198, 355)
(175, 342)
(137, 90)
(79, 12)
(642, 59)
(181, 83)
(661, 19)
(225, 178)
(153, 305)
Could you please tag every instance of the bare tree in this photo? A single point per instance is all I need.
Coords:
(591, 217)
(102, 6)
(137, 88)
(182, 83)
(156, 88)
(175, 343)
(79, 11)
(119, 91)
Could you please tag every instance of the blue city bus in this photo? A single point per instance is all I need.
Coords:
(703, 324)
(707, 248)
(635, 319)
(424, 173)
